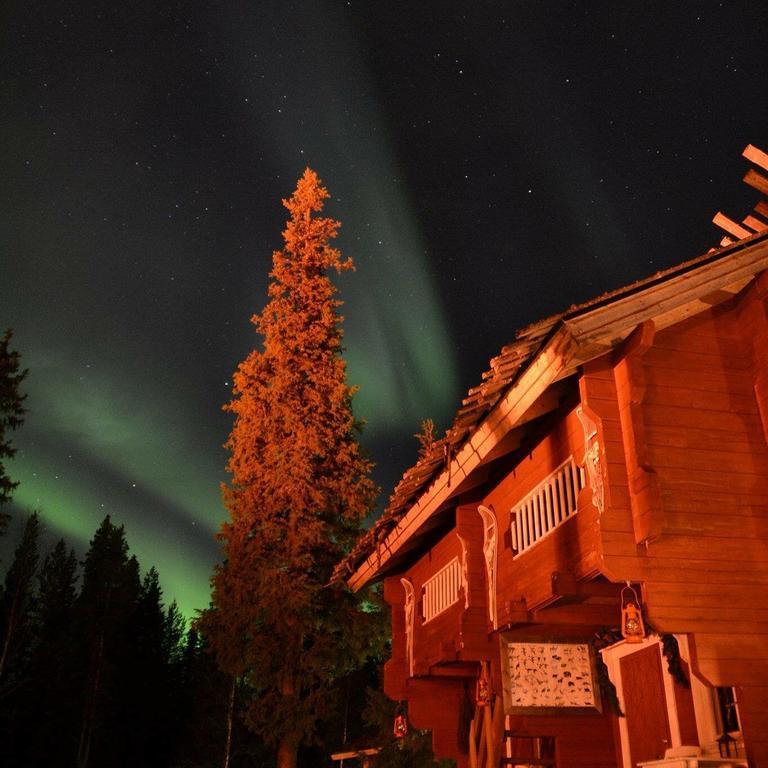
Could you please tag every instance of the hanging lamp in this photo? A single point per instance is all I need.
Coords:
(632, 627)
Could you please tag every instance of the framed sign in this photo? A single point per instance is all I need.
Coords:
(543, 676)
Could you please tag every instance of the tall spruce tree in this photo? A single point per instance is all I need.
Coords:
(299, 488)
(11, 415)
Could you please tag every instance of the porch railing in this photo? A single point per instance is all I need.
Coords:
(442, 590)
(548, 505)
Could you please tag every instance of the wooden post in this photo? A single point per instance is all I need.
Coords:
(473, 742)
(481, 743)
(489, 745)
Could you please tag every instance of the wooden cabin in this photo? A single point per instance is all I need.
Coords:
(611, 472)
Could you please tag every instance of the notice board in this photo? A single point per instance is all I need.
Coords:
(542, 676)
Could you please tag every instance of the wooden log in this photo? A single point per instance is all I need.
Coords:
(473, 744)
(756, 181)
(480, 716)
(758, 225)
(756, 156)
(498, 730)
(490, 747)
(730, 226)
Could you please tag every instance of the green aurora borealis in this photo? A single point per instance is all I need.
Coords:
(126, 314)
(489, 165)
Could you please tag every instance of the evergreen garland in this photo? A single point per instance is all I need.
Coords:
(670, 649)
(604, 637)
(608, 636)
(671, 652)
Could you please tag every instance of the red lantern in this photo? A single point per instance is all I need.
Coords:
(400, 728)
(632, 627)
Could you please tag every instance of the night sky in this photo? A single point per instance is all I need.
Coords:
(492, 163)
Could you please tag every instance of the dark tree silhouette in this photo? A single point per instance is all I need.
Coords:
(107, 676)
(105, 611)
(11, 415)
(17, 602)
(46, 723)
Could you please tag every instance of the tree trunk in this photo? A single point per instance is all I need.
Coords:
(11, 628)
(288, 747)
(287, 752)
(230, 714)
(92, 696)
(86, 730)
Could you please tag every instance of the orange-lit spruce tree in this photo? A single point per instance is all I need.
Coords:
(299, 488)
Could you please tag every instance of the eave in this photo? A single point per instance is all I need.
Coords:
(569, 341)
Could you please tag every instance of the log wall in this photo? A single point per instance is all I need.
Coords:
(524, 580)
(583, 741)
(682, 417)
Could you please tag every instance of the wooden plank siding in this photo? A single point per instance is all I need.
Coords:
(704, 565)
(434, 641)
(435, 704)
(475, 642)
(396, 667)
(754, 717)
(582, 741)
(460, 633)
(570, 547)
(464, 634)
(689, 417)
(699, 374)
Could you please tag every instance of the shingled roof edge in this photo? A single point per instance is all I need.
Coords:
(549, 328)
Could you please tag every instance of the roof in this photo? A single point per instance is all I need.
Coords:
(588, 330)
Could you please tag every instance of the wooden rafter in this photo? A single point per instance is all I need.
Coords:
(755, 224)
(730, 226)
(756, 156)
(750, 224)
(756, 181)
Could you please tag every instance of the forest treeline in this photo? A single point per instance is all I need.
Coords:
(97, 670)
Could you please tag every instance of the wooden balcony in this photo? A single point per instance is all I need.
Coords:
(546, 507)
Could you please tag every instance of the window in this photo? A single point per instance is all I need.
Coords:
(729, 716)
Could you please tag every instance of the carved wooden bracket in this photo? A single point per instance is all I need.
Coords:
(464, 569)
(592, 461)
(644, 492)
(410, 611)
(490, 553)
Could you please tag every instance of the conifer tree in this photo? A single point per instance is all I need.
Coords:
(56, 596)
(145, 682)
(11, 415)
(18, 595)
(298, 491)
(105, 611)
(46, 726)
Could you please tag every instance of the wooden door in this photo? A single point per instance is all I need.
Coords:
(645, 704)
